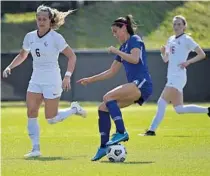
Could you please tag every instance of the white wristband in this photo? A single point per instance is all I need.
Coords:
(68, 73)
(162, 55)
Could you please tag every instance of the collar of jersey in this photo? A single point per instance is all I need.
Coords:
(44, 34)
(179, 35)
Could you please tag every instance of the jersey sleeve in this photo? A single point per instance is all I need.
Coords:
(61, 43)
(117, 57)
(191, 44)
(26, 43)
(135, 42)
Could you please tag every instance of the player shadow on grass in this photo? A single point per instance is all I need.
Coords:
(130, 162)
(48, 158)
(53, 158)
(185, 136)
(182, 136)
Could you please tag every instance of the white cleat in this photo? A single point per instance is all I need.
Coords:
(35, 153)
(80, 110)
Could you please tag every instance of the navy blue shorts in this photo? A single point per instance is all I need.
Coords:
(146, 90)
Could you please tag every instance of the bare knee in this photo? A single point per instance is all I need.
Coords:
(102, 107)
(32, 111)
(108, 97)
(179, 109)
(50, 115)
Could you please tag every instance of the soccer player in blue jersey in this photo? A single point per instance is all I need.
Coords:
(132, 56)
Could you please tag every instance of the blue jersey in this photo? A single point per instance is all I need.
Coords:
(137, 71)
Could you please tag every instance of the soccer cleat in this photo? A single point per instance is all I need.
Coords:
(118, 137)
(80, 110)
(148, 133)
(209, 111)
(100, 154)
(33, 153)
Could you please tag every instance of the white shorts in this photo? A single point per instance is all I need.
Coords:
(48, 91)
(177, 82)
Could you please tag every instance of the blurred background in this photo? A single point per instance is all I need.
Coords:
(88, 32)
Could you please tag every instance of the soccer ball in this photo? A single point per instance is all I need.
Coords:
(116, 153)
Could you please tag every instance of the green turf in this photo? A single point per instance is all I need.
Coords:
(90, 26)
(181, 147)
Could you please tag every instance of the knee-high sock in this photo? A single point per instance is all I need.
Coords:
(181, 109)
(62, 115)
(159, 114)
(33, 132)
(116, 115)
(104, 124)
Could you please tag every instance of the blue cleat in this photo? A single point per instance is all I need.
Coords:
(118, 137)
(100, 154)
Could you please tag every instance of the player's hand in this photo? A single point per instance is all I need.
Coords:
(6, 72)
(163, 49)
(84, 81)
(112, 49)
(66, 84)
(184, 64)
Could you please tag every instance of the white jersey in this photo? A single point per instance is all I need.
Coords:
(178, 49)
(45, 52)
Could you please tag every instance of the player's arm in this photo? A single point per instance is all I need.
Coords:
(69, 53)
(164, 54)
(200, 55)
(132, 58)
(193, 46)
(16, 61)
(115, 67)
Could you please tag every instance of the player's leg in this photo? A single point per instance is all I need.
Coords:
(170, 93)
(180, 108)
(111, 99)
(104, 123)
(33, 101)
(167, 94)
(51, 98)
(177, 99)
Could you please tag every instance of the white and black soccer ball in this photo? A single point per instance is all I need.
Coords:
(116, 153)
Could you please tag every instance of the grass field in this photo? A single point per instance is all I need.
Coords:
(181, 147)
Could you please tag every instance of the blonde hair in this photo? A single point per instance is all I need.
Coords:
(57, 17)
(181, 18)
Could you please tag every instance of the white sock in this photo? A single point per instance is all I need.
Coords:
(159, 114)
(181, 109)
(33, 132)
(62, 115)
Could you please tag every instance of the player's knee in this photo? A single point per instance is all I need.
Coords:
(51, 121)
(102, 107)
(50, 115)
(107, 97)
(179, 109)
(32, 112)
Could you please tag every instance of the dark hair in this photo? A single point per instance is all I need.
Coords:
(131, 25)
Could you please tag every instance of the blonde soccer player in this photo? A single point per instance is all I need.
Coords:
(176, 53)
(46, 83)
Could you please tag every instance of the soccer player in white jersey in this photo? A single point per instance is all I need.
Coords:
(46, 83)
(176, 53)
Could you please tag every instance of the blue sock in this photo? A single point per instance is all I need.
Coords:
(104, 124)
(116, 115)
